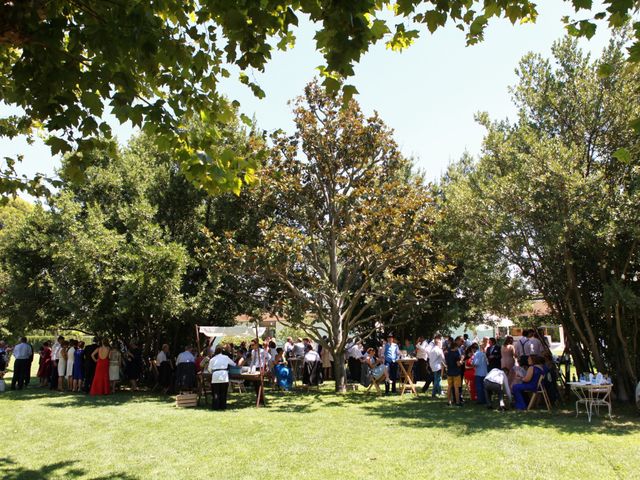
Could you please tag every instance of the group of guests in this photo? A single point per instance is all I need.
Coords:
(301, 359)
(486, 367)
(71, 366)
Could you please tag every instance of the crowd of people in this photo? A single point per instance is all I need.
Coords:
(485, 367)
(71, 366)
(507, 369)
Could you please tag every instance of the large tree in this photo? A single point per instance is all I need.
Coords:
(552, 203)
(345, 243)
(158, 64)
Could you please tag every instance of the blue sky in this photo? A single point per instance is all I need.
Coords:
(428, 94)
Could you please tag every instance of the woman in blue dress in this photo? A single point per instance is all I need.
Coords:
(284, 375)
(78, 367)
(529, 381)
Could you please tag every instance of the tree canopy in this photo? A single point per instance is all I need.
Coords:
(344, 244)
(158, 64)
(551, 205)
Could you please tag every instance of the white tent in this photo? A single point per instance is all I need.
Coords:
(213, 332)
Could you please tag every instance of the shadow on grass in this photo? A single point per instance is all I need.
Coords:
(426, 413)
(10, 470)
(69, 399)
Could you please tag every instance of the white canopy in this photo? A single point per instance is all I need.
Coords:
(231, 331)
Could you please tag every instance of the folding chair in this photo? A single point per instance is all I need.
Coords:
(237, 386)
(541, 391)
(375, 382)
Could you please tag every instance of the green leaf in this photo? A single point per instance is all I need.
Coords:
(622, 155)
(348, 91)
(93, 102)
(605, 70)
(635, 124)
(58, 145)
(246, 120)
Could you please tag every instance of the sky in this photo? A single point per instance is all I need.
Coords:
(428, 94)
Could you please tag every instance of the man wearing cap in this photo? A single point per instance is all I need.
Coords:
(391, 356)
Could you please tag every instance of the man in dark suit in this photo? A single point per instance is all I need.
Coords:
(89, 365)
(493, 354)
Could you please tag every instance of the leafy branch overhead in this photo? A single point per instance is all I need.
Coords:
(158, 64)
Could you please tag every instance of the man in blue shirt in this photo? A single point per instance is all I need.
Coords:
(479, 360)
(391, 356)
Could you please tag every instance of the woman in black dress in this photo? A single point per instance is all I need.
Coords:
(134, 365)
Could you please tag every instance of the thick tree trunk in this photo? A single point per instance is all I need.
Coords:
(339, 372)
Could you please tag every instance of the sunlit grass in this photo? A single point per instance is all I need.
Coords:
(305, 435)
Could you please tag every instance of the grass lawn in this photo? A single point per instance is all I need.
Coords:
(317, 435)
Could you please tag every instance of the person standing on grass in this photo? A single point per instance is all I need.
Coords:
(391, 357)
(4, 356)
(508, 357)
(479, 361)
(522, 349)
(422, 354)
(219, 369)
(470, 373)
(55, 359)
(115, 362)
(163, 362)
(327, 362)
(78, 368)
(62, 365)
(44, 369)
(100, 384)
(354, 360)
(436, 364)
(71, 359)
(89, 363)
(454, 370)
(21, 353)
(493, 354)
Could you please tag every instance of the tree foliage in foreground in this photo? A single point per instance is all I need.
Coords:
(552, 204)
(158, 64)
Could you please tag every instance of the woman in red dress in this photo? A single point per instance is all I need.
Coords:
(470, 374)
(101, 384)
(44, 370)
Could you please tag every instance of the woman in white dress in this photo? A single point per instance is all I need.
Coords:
(70, 360)
(62, 365)
(115, 360)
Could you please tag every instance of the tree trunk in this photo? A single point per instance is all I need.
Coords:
(339, 372)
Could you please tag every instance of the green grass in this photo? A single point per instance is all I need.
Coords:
(305, 435)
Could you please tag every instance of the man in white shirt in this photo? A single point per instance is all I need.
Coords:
(498, 382)
(21, 353)
(298, 348)
(436, 361)
(354, 360)
(288, 347)
(422, 354)
(55, 357)
(219, 369)
(259, 360)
